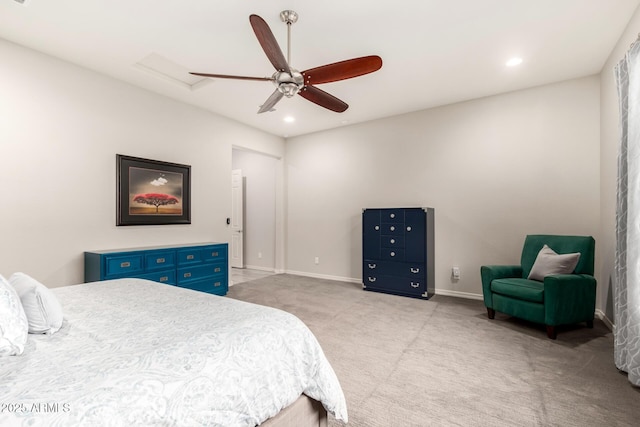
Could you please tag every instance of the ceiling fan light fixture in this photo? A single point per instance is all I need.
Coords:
(516, 60)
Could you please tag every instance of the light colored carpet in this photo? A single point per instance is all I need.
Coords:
(442, 362)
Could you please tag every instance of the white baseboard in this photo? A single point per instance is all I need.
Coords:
(323, 276)
(458, 294)
(608, 323)
(256, 267)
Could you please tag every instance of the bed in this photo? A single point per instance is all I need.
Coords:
(136, 352)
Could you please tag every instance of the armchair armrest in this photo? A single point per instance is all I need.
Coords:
(489, 273)
(569, 298)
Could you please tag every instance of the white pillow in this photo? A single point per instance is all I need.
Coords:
(548, 262)
(13, 321)
(42, 308)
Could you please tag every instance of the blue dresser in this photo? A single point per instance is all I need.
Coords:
(398, 251)
(202, 267)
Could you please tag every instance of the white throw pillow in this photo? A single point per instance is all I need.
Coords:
(13, 321)
(41, 306)
(549, 262)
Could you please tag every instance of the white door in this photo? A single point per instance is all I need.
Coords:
(237, 219)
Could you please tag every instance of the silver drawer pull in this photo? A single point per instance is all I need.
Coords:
(217, 284)
(125, 264)
(392, 215)
(415, 270)
(214, 253)
(372, 266)
(186, 275)
(392, 254)
(190, 256)
(415, 285)
(392, 228)
(409, 228)
(393, 241)
(372, 279)
(164, 278)
(160, 260)
(217, 270)
(377, 227)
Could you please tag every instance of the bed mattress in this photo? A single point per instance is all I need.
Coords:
(135, 352)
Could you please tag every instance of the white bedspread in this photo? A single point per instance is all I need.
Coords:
(133, 352)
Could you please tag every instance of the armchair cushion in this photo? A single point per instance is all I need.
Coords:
(522, 289)
(548, 262)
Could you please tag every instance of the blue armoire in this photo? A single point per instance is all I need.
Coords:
(398, 251)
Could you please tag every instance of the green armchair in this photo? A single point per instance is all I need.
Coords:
(560, 299)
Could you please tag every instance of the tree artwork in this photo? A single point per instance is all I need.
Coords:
(155, 199)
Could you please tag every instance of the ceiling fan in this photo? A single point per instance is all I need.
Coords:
(290, 81)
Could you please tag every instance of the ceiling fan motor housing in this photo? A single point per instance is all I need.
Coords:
(288, 84)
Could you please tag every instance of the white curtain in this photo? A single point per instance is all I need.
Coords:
(626, 288)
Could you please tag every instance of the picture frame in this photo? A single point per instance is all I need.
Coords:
(152, 192)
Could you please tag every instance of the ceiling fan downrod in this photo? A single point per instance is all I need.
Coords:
(289, 17)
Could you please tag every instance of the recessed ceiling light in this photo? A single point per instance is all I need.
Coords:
(514, 61)
(289, 119)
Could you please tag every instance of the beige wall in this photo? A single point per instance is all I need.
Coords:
(608, 164)
(60, 129)
(494, 169)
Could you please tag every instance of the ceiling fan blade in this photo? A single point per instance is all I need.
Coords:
(323, 99)
(225, 76)
(271, 101)
(342, 70)
(269, 43)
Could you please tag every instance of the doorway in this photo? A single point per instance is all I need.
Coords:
(253, 235)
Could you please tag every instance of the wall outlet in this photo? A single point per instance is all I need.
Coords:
(259, 254)
(317, 260)
(455, 273)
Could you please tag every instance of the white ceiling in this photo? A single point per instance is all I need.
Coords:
(434, 52)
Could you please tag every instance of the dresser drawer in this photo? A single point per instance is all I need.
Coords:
(160, 260)
(123, 265)
(402, 285)
(164, 276)
(214, 253)
(189, 256)
(213, 285)
(196, 272)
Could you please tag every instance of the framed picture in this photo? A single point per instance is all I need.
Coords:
(151, 192)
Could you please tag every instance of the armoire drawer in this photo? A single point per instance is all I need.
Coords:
(404, 285)
(392, 241)
(403, 269)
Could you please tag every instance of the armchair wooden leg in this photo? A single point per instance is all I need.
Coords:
(491, 313)
(551, 332)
